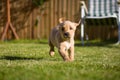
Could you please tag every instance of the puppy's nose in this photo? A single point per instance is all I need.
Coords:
(66, 34)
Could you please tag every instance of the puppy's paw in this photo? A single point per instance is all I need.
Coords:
(52, 53)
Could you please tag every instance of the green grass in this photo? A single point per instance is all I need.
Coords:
(29, 60)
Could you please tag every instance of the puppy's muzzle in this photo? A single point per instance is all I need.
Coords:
(66, 35)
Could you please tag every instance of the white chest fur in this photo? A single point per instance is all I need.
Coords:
(67, 45)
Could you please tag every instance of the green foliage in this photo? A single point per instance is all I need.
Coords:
(38, 2)
(36, 22)
(29, 60)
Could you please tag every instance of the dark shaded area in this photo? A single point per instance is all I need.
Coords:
(38, 3)
(101, 43)
(103, 21)
(20, 58)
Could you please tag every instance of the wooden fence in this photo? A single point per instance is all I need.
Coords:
(33, 22)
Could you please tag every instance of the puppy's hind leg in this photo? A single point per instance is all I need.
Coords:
(51, 52)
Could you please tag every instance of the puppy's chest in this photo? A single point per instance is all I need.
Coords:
(67, 45)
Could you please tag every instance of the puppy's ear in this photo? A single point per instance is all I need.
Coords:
(61, 20)
(77, 24)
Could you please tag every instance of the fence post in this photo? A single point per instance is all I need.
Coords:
(118, 22)
(82, 21)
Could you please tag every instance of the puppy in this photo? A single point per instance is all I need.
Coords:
(62, 37)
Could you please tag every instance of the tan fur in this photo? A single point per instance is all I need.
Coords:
(62, 37)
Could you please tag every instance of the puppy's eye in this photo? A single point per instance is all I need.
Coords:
(62, 28)
(71, 28)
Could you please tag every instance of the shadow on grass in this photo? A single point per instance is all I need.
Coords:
(96, 43)
(20, 58)
(43, 42)
(37, 41)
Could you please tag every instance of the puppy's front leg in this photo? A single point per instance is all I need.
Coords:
(71, 50)
(63, 52)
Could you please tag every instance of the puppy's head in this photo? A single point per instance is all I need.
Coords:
(67, 28)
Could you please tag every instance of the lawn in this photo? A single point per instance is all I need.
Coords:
(29, 60)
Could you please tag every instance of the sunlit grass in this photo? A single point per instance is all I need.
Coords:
(29, 60)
